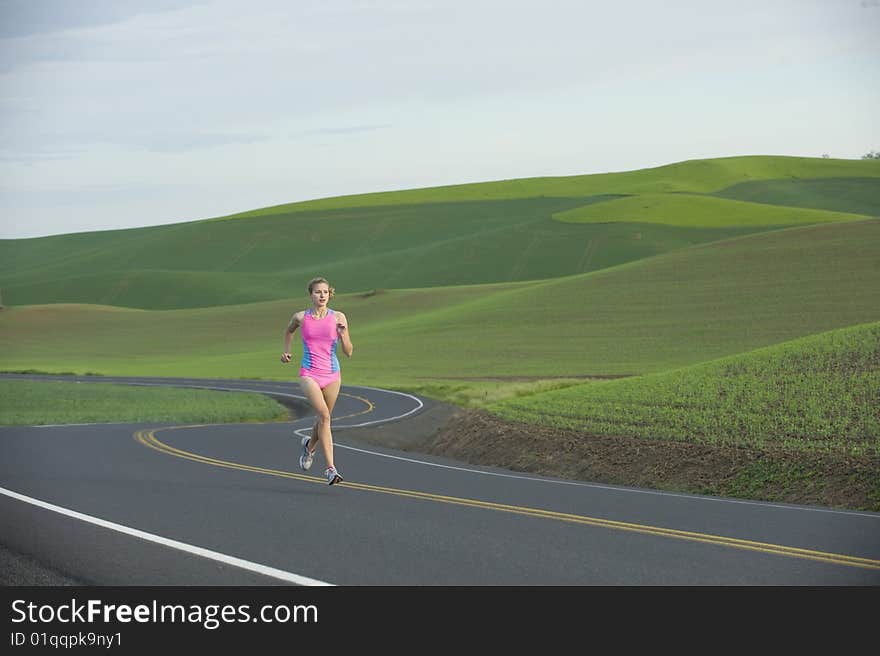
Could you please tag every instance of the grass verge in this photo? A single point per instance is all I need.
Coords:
(819, 394)
(34, 403)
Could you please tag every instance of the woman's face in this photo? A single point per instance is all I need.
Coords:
(320, 294)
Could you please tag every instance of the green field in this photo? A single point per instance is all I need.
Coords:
(692, 211)
(236, 262)
(712, 287)
(852, 195)
(518, 230)
(664, 312)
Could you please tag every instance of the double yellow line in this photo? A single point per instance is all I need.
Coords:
(148, 438)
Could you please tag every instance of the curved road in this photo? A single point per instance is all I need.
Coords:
(122, 504)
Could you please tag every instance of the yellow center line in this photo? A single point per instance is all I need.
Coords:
(148, 438)
(369, 404)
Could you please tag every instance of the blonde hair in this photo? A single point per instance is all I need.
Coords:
(315, 281)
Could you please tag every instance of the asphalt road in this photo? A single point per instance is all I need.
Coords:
(122, 504)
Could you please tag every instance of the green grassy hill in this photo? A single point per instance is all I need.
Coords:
(816, 394)
(693, 176)
(519, 230)
(667, 311)
(692, 211)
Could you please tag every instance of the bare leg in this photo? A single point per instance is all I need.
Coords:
(322, 402)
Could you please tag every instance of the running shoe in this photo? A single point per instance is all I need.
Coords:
(332, 476)
(305, 460)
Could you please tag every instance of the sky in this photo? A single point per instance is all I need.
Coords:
(124, 113)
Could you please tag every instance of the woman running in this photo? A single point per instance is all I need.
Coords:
(319, 375)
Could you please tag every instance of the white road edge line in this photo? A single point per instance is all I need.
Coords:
(612, 488)
(265, 570)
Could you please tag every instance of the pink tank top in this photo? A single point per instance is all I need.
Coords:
(319, 343)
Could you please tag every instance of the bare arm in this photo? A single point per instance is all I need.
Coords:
(343, 332)
(295, 321)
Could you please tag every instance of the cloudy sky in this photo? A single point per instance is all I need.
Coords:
(125, 113)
